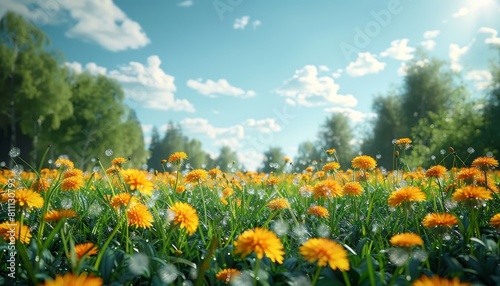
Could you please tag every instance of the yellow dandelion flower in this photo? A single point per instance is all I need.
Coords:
(177, 157)
(325, 252)
(403, 141)
(185, 216)
(122, 200)
(330, 151)
(56, 215)
(72, 173)
(287, 160)
(139, 216)
(309, 169)
(438, 281)
(468, 175)
(88, 249)
(436, 172)
(224, 201)
(214, 173)
(195, 176)
(14, 231)
(61, 162)
(484, 163)
(406, 240)
(331, 166)
(226, 275)
(261, 242)
(28, 198)
(471, 193)
(352, 189)
(118, 162)
(318, 211)
(227, 192)
(180, 189)
(72, 183)
(495, 221)
(406, 194)
(40, 185)
(272, 181)
(277, 204)
(327, 188)
(137, 180)
(439, 220)
(364, 162)
(83, 279)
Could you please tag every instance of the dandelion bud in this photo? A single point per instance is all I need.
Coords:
(452, 151)
(397, 154)
(163, 161)
(156, 172)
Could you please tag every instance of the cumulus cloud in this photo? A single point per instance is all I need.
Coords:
(219, 87)
(150, 86)
(481, 78)
(455, 53)
(185, 4)
(256, 24)
(307, 88)
(429, 37)
(241, 23)
(203, 126)
(354, 115)
(403, 68)
(91, 67)
(267, 125)
(99, 21)
(366, 63)
(461, 13)
(399, 50)
(493, 39)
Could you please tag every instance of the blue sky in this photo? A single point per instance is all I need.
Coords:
(254, 74)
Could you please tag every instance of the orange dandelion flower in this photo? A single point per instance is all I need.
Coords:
(406, 240)
(119, 162)
(214, 173)
(436, 172)
(287, 160)
(332, 166)
(139, 216)
(318, 211)
(72, 173)
(180, 189)
(73, 183)
(40, 185)
(468, 175)
(195, 176)
(364, 162)
(224, 201)
(403, 141)
(406, 194)
(495, 221)
(137, 180)
(309, 169)
(327, 188)
(353, 189)
(227, 192)
(226, 275)
(121, 200)
(61, 162)
(277, 204)
(56, 215)
(88, 249)
(261, 242)
(325, 252)
(330, 151)
(28, 198)
(440, 220)
(21, 233)
(272, 181)
(83, 279)
(484, 163)
(185, 216)
(471, 193)
(438, 281)
(177, 157)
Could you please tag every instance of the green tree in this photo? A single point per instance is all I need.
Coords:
(37, 96)
(197, 157)
(336, 133)
(133, 137)
(226, 159)
(306, 154)
(274, 160)
(491, 131)
(154, 150)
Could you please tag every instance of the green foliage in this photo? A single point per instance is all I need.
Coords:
(274, 160)
(336, 133)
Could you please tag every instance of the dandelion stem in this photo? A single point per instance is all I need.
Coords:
(316, 276)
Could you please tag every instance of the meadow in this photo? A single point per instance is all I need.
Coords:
(327, 225)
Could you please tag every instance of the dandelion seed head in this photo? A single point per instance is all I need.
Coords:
(168, 273)
(433, 157)
(66, 203)
(139, 263)
(281, 227)
(300, 232)
(14, 152)
(442, 151)
(95, 210)
(17, 170)
(108, 152)
(299, 281)
(187, 283)
(470, 150)
(420, 255)
(398, 256)
(323, 230)
(2, 164)
(378, 156)
(244, 279)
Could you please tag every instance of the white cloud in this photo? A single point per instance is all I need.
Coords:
(461, 13)
(366, 63)
(251, 159)
(429, 37)
(202, 126)
(267, 125)
(455, 53)
(256, 24)
(147, 128)
(306, 87)
(241, 23)
(494, 39)
(219, 87)
(399, 50)
(354, 115)
(99, 21)
(150, 86)
(481, 78)
(403, 68)
(337, 73)
(186, 3)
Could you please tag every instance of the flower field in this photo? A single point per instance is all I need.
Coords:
(327, 225)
